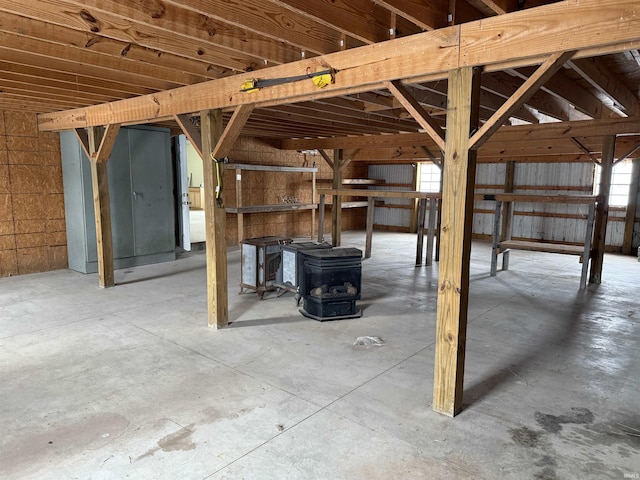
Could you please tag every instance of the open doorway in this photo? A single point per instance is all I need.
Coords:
(190, 224)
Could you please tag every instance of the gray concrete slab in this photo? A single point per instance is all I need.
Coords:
(130, 381)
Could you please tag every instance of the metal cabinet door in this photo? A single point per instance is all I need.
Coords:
(152, 191)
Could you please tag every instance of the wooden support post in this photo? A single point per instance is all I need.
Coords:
(422, 208)
(495, 239)
(102, 209)
(371, 201)
(632, 206)
(98, 143)
(457, 215)
(588, 237)
(336, 210)
(413, 222)
(215, 221)
(313, 200)
(439, 224)
(507, 236)
(321, 217)
(602, 211)
(240, 215)
(431, 230)
(509, 187)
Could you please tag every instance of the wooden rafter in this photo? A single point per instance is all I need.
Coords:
(425, 120)
(527, 133)
(545, 71)
(191, 132)
(427, 15)
(599, 76)
(439, 51)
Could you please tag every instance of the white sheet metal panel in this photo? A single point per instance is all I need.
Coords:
(487, 174)
(393, 217)
(552, 228)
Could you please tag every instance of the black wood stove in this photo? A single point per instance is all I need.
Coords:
(330, 283)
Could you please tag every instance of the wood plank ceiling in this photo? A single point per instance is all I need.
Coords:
(61, 54)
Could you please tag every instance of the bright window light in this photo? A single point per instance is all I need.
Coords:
(620, 180)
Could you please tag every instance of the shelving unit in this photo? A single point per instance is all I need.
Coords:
(371, 196)
(240, 210)
(505, 245)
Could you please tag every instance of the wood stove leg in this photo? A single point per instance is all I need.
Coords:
(321, 218)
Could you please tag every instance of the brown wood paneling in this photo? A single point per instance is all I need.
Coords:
(58, 258)
(20, 124)
(30, 206)
(26, 240)
(30, 226)
(32, 260)
(8, 263)
(4, 179)
(6, 210)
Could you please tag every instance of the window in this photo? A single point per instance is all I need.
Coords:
(429, 178)
(620, 180)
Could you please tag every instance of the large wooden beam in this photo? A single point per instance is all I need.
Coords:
(232, 131)
(216, 144)
(416, 110)
(601, 78)
(190, 131)
(602, 211)
(505, 41)
(528, 88)
(336, 207)
(455, 236)
(501, 6)
(507, 134)
(215, 222)
(99, 144)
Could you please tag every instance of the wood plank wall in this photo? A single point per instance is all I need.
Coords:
(32, 224)
(259, 187)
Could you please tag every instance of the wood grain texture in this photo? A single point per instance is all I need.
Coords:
(602, 210)
(455, 236)
(215, 222)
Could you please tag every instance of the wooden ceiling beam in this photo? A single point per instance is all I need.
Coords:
(68, 81)
(361, 19)
(505, 86)
(352, 117)
(548, 68)
(435, 95)
(416, 110)
(265, 18)
(204, 31)
(495, 43)
(500, 7)
(427, 15)
(80, 16)
(566, 89)
(519, 133)
(51, 56)
(594, 71)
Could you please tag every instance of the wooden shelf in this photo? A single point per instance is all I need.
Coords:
(506, 245)
(542, 247)
(278, 207)
(240, 210)
(268, 168)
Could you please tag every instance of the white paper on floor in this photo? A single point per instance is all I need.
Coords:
(369, 342)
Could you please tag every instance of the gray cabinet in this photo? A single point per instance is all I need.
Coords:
(140, 194)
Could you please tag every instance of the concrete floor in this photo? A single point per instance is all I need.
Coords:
(129, 382)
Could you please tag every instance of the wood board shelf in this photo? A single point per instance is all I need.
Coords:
(240, 210)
